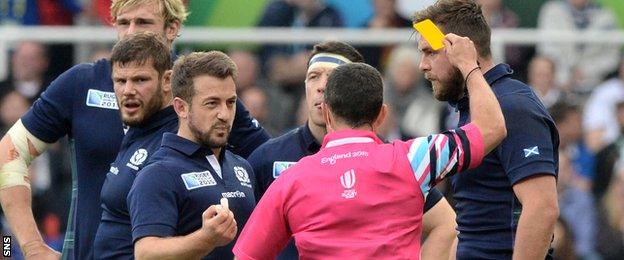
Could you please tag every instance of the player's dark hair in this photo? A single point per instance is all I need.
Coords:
(140, 48)
(336, 47)
(186, 68)
(354, 93)
(461, 17)
(560, 111)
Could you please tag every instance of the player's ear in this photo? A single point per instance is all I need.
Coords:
(181, 107)
(166, 81)
(328, 117)
(383, 112)
(172, 30)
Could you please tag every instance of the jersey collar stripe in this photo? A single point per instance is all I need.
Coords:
(349, 140)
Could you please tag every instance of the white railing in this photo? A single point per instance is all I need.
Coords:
(81, 34)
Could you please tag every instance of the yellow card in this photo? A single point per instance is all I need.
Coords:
(432, 34)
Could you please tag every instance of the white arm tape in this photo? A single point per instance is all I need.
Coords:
(22, 147)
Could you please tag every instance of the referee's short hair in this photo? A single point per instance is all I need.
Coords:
(354, 93)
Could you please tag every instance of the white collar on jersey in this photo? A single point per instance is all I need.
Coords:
(349, 140)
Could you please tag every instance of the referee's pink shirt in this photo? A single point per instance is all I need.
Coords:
(357, 198)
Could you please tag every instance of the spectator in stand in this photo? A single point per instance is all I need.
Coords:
(285, 65)
(499, 16)
(12, 106)
(389, 130)
(55, 13)
(38, 12)
(58, 12)
(562, 242)
(101, 10)
(249, 78)
(297, 14)
(607, 157)
(384, 16)
(567, 117)
(51, 226)
(600, 112)
(44, 12)
(611, 217)
(417, 112)
(256, 101)
(577, 209)
(29, 64)
(248, 75)
(19, 12)
(541, 76)
(587, 63)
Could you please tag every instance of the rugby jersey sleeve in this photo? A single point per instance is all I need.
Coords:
(247, 134)
(50, 116)
(432, 199)
(262, 168)
(266, 232)
(153, 204)
(531, 145)
(439, 155)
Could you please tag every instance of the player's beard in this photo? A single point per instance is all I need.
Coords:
(451, 89)
(209, 138)
(147, 109)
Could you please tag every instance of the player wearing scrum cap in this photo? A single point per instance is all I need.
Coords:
(276, 155)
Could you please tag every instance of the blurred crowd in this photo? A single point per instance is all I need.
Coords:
(582, 85)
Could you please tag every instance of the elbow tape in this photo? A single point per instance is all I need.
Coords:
(21, 147)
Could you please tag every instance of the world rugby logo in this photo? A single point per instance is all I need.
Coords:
(348, 179)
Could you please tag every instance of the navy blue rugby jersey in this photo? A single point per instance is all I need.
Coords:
(487, 209)
(81, 104)
(179, 183)
(113, 239)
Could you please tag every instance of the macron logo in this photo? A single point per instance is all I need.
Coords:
(531, 151)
